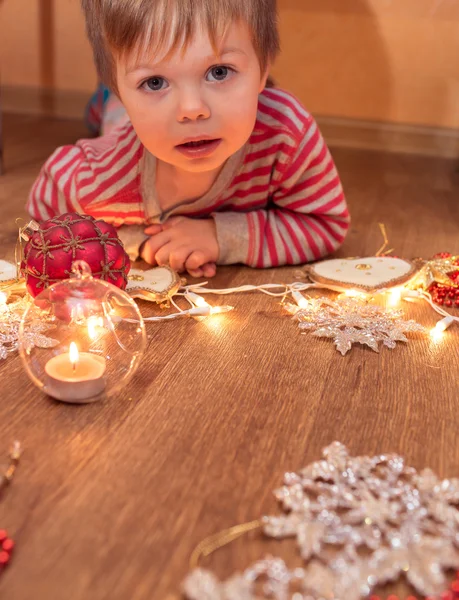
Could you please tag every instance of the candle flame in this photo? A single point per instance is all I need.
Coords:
(74, 354)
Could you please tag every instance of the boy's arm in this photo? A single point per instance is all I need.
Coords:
(308, 219)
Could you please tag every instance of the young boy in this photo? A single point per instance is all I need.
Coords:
(219, 168)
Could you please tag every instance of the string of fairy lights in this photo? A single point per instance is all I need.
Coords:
(199, 307)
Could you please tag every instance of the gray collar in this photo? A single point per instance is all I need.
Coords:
(153, 212)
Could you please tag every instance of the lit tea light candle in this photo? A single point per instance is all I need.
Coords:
(75, 377)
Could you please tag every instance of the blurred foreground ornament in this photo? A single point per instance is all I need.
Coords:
(6, 543)
(358, 523)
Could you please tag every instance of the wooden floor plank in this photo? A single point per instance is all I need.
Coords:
(110, 499)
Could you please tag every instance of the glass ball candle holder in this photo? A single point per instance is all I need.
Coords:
(95, 338)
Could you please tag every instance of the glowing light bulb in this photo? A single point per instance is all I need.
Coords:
(438, 331)
(203, 309)
(197, 300)
(74, 354)
(3, 298)
(395, 296)
(217, 310)
(353, 294)
(436, 334)
(300, 299)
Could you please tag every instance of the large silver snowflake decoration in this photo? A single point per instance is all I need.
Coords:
(10, 319)
(351, 320)
(358, 522)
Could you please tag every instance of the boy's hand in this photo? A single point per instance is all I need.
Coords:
(183, 244)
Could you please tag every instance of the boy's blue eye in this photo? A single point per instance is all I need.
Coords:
(154, 84)
(219, 73)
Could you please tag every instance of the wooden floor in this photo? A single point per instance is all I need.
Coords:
(110, 499)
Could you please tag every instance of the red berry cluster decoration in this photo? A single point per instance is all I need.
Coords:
(54, 245)
(444, 294)
(451, 594)
(6, 549)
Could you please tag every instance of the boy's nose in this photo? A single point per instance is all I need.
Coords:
(192, 107)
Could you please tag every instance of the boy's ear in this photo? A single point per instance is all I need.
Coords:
(264, 78)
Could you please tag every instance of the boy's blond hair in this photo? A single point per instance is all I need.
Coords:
(118, 27)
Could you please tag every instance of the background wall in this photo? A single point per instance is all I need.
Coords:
(43, 43)
(394, 61)
(387, 60)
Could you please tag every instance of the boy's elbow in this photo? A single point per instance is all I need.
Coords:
(37, 205)
(335, 229)
(340, 224)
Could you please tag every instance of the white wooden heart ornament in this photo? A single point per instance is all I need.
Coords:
(368, 274)
(7, 272)
(9, 280)
(155, 285)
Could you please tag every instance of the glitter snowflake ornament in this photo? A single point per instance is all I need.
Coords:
(358, 522)
(351, 321)
(10, 320)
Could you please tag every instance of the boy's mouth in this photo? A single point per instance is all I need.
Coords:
(199, 148)
(198, 143)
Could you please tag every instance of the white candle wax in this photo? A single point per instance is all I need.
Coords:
(77, 379)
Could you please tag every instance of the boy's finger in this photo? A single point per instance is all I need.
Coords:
(162, 256)
(178, 257)
(197, 273)
(153, 229)
(196, 260)
(209, 270)
(156, 242)
(147, 255)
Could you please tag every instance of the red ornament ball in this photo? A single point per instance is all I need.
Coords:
(58, 242)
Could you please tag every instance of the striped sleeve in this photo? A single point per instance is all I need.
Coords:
(310, 218)
(54, 191)
(306, 219)
(99, 177)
